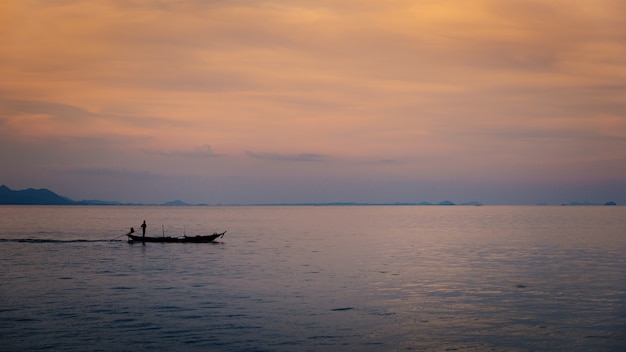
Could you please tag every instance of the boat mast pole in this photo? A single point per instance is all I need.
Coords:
(163, 230)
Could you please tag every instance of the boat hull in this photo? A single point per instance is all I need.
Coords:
(182, 239)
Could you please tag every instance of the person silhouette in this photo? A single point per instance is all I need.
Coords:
(143, 228)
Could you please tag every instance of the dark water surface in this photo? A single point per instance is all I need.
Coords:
(314, 279)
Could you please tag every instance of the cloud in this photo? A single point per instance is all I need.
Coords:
(203, 151)
(66, 112)
(32, 120)
(404, 88)
(114, 173)
(301, 157)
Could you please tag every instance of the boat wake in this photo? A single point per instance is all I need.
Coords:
(43, 240)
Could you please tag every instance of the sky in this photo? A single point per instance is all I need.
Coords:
(253, 101)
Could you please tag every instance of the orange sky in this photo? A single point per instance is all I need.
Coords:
(297, 101)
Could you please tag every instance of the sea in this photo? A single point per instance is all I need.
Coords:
(314, 278)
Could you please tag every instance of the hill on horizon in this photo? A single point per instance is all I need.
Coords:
(32, 196)
(45, 196)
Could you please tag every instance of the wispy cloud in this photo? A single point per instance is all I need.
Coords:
(203, 151)
(301, 157)
(114, 173)
(505, 89)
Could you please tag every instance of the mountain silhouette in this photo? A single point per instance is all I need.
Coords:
(32, 196)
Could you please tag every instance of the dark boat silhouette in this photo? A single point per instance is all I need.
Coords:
(182, 239)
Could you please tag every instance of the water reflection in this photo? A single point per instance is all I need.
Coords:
(305, 278)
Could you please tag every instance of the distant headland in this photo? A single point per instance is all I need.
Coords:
(32, 196)
(44, 196)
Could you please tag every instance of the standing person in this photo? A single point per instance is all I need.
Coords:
(143, 228)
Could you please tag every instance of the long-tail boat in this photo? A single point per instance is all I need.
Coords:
(182, 239)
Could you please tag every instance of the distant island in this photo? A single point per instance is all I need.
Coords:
(445, 202)
(44, 196)
(47, 197)
(589, 203)
(32, 197)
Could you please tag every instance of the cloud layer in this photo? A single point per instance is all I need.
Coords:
(510, 94)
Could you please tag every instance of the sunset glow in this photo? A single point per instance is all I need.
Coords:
(298, 101)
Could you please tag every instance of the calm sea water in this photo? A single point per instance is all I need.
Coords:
(314, 279)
